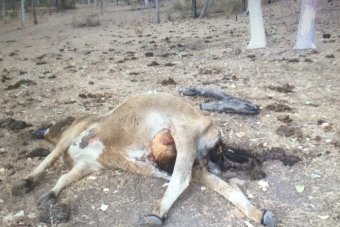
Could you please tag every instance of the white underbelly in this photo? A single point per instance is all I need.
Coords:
(87, 148)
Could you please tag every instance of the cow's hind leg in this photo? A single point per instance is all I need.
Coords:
(179, 182)
(233, 194)
(26, 185)
(79, 171)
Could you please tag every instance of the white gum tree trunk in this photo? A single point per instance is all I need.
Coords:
(146, 3)
(22, 13)
(306, 31)
(257, 33)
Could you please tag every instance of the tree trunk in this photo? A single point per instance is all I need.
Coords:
(158, 20)
(34, 13)
(101, 7)
(57, 5)
(146, 3)
(306, 31)
(257, 33)
(22, 13)
(193, 8)
(3, 9)
(205, 8)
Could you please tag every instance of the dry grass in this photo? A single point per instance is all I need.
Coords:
(90, 20)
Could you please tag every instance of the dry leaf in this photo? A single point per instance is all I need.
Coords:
(299, 188)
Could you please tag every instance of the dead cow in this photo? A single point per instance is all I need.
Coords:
(154, 135)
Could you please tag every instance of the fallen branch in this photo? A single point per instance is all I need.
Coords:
(226, 103)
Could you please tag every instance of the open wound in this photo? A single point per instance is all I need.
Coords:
(164, 150)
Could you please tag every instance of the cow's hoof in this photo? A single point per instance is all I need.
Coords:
(152, 220)
(22, 187)
(268, 219)
(55, 214)
(47, 200)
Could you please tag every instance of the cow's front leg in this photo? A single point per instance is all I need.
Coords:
(79, 171)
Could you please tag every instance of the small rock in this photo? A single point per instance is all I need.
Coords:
(103, 207)
(92, 178)
(315, 175)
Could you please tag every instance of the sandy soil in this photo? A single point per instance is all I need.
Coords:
(73, 70)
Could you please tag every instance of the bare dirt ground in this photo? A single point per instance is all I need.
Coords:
(65, 71)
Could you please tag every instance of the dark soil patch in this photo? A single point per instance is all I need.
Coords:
(38, 152)
(24, 82)
(169, 81)
(289, 131)
(278, 107)
(55, 214)
(285, 88)
(285, 119)
(13, 124)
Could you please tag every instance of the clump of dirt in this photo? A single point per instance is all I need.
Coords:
(289, 131)
(285, 119)
(24, 82)
(278, 153)
(99, 97)
(13, 124)
(55, 214)
(285, 88)
(278, 107)
(149, 54)
(38, 152)
(169, 81)
(153, 63)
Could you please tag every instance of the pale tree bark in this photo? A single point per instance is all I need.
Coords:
(22, 13)
(193, 8)
(88, 2)
(205, 8)
(34, 13)
(257, 33)
(146, 3)
(158, 20)
(305, 38)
